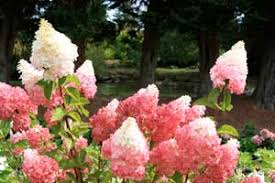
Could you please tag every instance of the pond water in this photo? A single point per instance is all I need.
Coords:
(125, 89)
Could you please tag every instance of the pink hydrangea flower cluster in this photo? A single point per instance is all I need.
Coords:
(86, 75)
(264, 134)
(224, 169)
(30, 76)
(39, 168)
(158, 121)
(167, 119)
(183, 140)
(16, 105)
(194, 112)
(165, 156)
(140, 106)
(39, 138)
(231, 67)
(81, 143)
(105, 122)
(127, 150)
(198, 144)
(254, 178)
(197, 148)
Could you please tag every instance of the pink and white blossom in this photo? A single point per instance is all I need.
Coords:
(127, 150)
(231, 67)
(53, 52)
(86, 75)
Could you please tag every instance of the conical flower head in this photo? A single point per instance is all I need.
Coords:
(53, 51)
(231, 67)
(127, 150)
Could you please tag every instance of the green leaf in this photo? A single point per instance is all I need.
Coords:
(34, 120)
(47, 86)
(74, 115)
(62, 81)
(229, 130)
(68, 143)
(56, 129)
(226, 103)
(5, 153)
(79, 129)
(177, 177)
(107, 176)
(22, 144)
(84, 111)
(80, 158)
(211, 100)
(213, 95)
(204, 101)
(73, 92)
(58, 114)
(5, 127)
(67, 163)
(69, 79)
(80, 101)
(150, 173)
(72, 79)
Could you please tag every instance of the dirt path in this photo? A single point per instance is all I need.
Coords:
(246, 111)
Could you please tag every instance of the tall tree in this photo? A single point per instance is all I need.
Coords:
(259, 21)
(206, 19)
(12, 15)
(151, 15)
(151, 43)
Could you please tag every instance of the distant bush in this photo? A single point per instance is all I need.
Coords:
(246, 144)
(95, 52)
(178, 49)
(126, 47)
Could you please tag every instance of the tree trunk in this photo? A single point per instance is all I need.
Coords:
(151, 44)
(209, 52)
(265, 90)
(81, 52)
(8, 25)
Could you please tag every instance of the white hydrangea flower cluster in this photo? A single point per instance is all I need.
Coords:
(53, 56)
(29, 74)
(53, 51)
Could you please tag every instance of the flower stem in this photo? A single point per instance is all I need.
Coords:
(72, 152)
(186, 178)
(99, 163)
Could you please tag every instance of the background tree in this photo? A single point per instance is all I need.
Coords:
(258, 27)
(14, 15)
(151, 19)
(206, 19)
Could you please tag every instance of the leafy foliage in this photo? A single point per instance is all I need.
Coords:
(178, 49)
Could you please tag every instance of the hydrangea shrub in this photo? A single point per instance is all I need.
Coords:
(47, 135)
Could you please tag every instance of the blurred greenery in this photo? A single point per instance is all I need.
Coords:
(95, 53)
(178, 49)
(246, 144)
